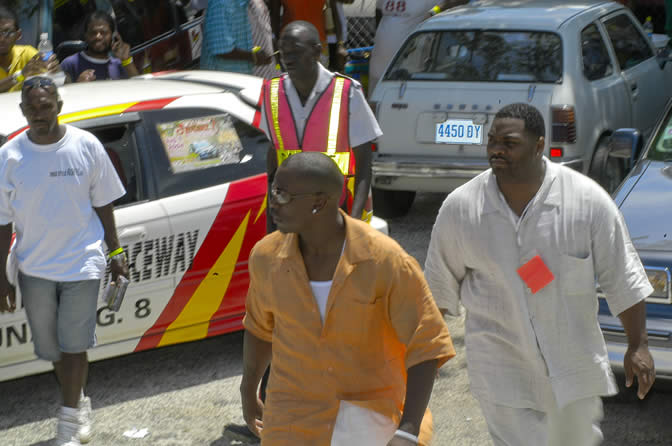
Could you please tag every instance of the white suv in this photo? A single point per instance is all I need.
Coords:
(586, 65)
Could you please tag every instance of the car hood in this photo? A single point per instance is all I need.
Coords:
(647, 208)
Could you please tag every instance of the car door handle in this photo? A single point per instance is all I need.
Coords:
(633, 86)
(133, 233)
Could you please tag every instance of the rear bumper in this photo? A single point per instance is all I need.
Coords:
(431, 176)
(659, 345)
(662, 359)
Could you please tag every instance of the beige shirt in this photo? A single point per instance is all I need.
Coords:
(530, 350)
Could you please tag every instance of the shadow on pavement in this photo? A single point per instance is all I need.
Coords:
(127, 378)
(236, 434)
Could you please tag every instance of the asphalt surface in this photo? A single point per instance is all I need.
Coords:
(188, 394)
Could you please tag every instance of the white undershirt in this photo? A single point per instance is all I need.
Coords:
(321, 290)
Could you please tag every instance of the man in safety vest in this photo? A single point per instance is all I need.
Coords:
(312, 109)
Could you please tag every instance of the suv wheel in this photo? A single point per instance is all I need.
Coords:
(392, 203)
(606, 170)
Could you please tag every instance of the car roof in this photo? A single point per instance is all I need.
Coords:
(148, 89)
(515, 14)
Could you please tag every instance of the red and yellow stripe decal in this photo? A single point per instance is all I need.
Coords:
(209, 304)
(107, 110)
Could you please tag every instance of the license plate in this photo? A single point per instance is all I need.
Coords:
(459, 131)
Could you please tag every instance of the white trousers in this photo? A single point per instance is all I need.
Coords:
(577, 424)
(358, 426)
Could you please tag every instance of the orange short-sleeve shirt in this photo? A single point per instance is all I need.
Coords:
(380, 320)
(308, 10)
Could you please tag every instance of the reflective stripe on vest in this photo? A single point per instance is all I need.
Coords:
(342, 159)
(275, 86)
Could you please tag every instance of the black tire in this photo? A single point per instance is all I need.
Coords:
(392, 203)
(606, 170)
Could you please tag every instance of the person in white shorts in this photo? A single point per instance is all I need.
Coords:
(57, 186)
(521, 245)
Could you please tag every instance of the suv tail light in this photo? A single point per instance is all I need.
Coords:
(374, 146)
(563, 124)
(556, 152)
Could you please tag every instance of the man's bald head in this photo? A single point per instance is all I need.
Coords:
(301, 31)
(316, 171)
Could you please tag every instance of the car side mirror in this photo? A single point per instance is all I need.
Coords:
(663, 57)
(626, 144)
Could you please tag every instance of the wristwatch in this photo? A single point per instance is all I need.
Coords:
(121, 257)
(18, 77)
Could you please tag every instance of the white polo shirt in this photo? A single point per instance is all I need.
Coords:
(363, 124)
(521, 345)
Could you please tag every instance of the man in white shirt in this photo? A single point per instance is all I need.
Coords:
(521, 245)
(57, 186)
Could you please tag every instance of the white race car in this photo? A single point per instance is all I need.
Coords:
(187, 222)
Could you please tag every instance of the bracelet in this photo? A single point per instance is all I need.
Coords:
(435, 10)
(115, 252)
(18, 77)
(127, 62)
(255, 50)
(405, 435)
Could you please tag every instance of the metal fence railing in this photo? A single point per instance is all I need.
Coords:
(361, 31)
(361, 23)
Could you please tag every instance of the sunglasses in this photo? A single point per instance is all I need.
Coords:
(38, 82)
(283, 197)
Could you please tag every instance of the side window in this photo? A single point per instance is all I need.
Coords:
(416, 57)
(197, 148)
(596, 61)
(629, 44)
(120, 145)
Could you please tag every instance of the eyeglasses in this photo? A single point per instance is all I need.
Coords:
(7, 33)
(283, 197)
(37, 82)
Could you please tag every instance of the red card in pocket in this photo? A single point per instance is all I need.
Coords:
(535, 274)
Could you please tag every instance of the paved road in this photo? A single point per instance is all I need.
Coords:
(187, 394)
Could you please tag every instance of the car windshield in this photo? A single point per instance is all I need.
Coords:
(661, 150)
(480, 56)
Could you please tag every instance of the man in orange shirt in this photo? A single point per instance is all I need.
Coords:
(311, 11)
(347, 316)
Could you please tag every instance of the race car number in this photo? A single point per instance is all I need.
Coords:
(459, 131)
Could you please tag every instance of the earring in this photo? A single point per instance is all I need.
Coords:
(314, 211)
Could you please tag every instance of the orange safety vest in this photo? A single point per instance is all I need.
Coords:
(327, 130)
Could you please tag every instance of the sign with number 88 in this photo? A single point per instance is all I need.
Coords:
(395, 6)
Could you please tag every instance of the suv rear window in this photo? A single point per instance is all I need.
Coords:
(480, 56)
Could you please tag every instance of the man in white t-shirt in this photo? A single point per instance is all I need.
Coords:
(57, 186)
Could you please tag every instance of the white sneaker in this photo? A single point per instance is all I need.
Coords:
(84, 434)
(66, 432)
